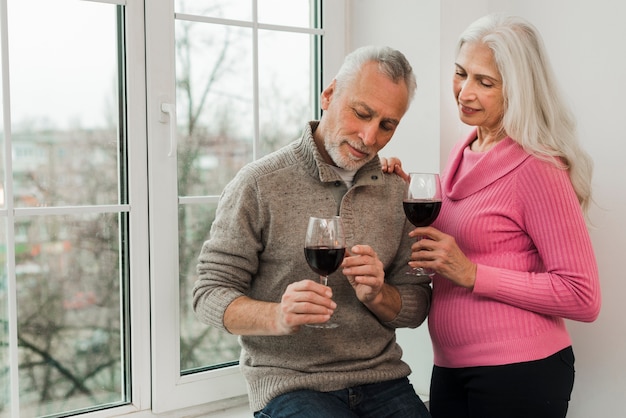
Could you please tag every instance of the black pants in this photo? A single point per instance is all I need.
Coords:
(534, 389)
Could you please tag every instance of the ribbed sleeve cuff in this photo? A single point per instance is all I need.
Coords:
(487, 280)
(211, 307)
(415, 307)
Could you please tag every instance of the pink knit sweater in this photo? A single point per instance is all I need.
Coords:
(517, 217)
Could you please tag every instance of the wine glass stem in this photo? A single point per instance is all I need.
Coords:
(324, 280)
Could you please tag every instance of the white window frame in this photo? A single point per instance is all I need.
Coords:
(139, 287)
(170, 390)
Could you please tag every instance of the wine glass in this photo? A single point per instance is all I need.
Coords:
(422, 203)
(324, 248)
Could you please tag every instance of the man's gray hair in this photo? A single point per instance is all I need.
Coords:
(391, 63)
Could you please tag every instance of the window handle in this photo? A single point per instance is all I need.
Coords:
(170, 110)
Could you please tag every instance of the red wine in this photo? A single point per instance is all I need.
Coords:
(324, 260)
(421, 212)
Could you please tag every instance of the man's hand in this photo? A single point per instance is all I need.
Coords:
(366, 275)
(304, 302)
(364, 271)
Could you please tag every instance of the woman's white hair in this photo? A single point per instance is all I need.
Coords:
(535, 112)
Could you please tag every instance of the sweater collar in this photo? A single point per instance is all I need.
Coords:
(306, 151)
(500, 160)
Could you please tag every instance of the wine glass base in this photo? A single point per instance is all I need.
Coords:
(420, 272)
(324, 325)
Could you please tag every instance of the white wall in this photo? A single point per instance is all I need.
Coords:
(585, 41)
(397, 23)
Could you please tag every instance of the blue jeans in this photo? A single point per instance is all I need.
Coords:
(392, 399)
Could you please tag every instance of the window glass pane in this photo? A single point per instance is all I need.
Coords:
(285, 12)
(214, 105)
(70, 271)
(216, 126)
(5, 388)
(68, 276)
(215, 139)
(285, 87)
(63, 168)
(63, 102)
(224, 9)
(3, 173)
(200, 345)
(5, 404)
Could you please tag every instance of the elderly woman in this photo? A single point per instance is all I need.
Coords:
(510, 247)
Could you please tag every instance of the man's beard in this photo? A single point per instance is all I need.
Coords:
(346, 161)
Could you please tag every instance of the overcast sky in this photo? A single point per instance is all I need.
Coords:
(62, 61)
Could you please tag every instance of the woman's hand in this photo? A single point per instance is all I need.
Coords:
(440, 252)
(393, 165)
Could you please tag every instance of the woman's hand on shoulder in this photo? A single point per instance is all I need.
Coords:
(393, 165)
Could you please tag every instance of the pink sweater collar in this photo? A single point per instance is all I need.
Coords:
(462, 180)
